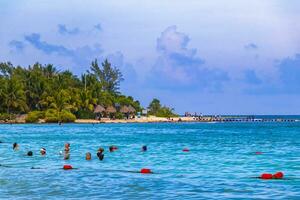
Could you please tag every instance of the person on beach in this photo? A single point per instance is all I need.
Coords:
(100, 154)
(43, 151)
(29, 153)
(144, 148)
(88, 156)
(15, 146)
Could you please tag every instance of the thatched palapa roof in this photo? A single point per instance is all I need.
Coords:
(99, 109)
(110, 109)
(124, 109)
(131, 109)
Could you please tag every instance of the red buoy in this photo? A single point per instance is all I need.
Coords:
(278, 175)
(66, 167)
(266, 176)
(145, 171)
(258, 153)
(185, 150)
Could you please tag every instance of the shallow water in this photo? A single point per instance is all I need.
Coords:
(221, 162)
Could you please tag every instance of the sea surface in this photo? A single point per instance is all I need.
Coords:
(222, 162)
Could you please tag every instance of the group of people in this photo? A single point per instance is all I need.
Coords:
(66, 152)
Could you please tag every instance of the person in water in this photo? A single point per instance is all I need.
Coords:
(15, 146)
(144, 148)
(100, 154)
(88, 156)
(67, 151)
(29, 153)
(113, 148)
(67, 147)
(43, 151)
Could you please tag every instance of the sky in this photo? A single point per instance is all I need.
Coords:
(209, 57)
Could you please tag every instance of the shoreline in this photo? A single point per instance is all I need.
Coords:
(153, 119)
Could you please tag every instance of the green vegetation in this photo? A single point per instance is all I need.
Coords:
(45, 93)
(155, 108)
(6, 116)
(34, 116)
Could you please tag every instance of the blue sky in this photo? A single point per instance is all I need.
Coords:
(213, 57)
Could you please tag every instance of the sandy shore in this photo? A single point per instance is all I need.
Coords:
(150, 119)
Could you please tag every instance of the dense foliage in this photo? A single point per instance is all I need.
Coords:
(155, 108)
(43, 91)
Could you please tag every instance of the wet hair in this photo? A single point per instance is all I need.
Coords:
(15, 145)
(29, 153)
(88, 155)
(113, 148)
(43, 151)
(144, 148)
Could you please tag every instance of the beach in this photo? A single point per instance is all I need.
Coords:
(153, 119)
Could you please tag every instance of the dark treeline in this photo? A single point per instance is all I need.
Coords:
(46, 92)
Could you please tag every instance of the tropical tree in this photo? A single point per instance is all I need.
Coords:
(42, 90)
(154, 106)
(109, 77)
(12, 90)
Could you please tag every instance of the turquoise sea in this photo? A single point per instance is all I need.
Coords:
(222, 162)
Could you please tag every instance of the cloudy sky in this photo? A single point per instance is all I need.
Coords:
(213, 57)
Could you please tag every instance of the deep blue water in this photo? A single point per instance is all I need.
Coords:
(221, 162)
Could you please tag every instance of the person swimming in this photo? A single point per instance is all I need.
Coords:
(15, 146)
(113, 148)
(43, 151)
(67, 151)
(144, 148)
(88, 156)
(100, 154)
(29, 153)
(67, 147)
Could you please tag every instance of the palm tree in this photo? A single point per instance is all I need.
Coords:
(13, 95)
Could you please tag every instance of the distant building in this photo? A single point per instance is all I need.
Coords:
(144, 111)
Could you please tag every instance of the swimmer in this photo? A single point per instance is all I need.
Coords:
(100, 153)
(67, 147)
(15, 146)
(29, 153)
(88, 156)
(144, 148)
(43, 151)
(112, 148)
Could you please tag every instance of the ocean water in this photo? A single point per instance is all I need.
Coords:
(221, 163)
